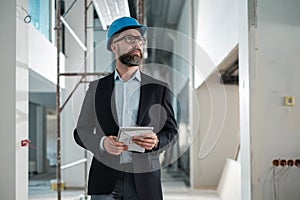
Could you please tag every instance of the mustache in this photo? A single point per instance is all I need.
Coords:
(135, 49)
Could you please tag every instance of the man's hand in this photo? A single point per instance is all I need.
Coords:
(146, 140)
(112, 146)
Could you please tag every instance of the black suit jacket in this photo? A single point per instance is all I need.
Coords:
(98, 118)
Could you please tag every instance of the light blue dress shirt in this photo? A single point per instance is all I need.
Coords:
(127, 98)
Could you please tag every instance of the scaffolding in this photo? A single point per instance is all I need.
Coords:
(83, 75)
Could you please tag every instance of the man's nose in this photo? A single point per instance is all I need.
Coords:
(137, 44)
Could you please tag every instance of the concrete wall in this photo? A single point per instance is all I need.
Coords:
(274, 74)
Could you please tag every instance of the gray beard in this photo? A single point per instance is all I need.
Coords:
(130, 60)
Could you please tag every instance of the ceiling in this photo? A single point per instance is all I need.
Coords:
(229, 68)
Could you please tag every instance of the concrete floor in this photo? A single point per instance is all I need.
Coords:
(172, 191)
(174, 188)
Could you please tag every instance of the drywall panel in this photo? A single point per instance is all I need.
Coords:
(274, 126)
(218, 130)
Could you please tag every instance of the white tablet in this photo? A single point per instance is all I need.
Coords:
(126, 134)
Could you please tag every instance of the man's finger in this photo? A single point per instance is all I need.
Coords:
(114, 147)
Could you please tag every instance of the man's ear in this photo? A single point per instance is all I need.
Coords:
(113, 47)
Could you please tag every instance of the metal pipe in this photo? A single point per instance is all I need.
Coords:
(86, 7)
(58, 29)
(140, 11)
(70, 95)
(84, 160)
(85, 74)
(85, 34)
(59, 20)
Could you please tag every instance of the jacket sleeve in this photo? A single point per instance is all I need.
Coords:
(85, 132)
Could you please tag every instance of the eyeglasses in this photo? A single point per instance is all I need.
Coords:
(130, 39)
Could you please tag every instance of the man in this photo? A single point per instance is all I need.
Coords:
(126, 98)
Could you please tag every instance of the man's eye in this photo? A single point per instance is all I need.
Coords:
(129, 38)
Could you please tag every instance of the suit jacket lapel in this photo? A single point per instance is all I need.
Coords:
(106, 106)
(111, 102)
(106, 101)
(144, 99)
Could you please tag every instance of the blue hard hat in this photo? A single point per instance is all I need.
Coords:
(120, 25)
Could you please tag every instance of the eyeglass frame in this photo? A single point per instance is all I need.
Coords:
(136, 39)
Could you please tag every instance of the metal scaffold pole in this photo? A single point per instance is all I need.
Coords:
(140, 11)
(82, 75)
(58, 110)
(85, 70)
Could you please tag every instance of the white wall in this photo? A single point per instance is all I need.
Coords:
(42, 55)
(246, 33)
(14, 103)
(218, 134)
(217, 31)
(229, 187)
(22, 108)
(275, 73)
(8, 108)
(216, 35)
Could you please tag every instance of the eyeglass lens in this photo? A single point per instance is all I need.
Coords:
(130, 39)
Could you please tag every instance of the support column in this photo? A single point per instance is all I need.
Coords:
(8, 100)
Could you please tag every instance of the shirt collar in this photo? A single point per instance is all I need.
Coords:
(137, 75)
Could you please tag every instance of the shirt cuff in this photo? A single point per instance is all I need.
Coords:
(102, 143)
